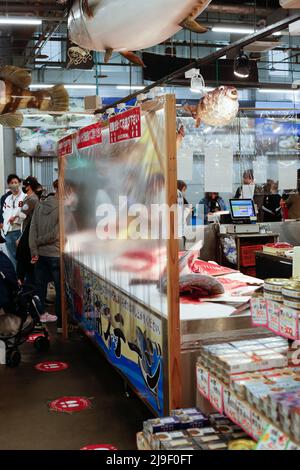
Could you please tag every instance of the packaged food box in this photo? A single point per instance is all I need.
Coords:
(193, 421)
(185, 411)
(219, 419)
(175, 444)
(153, 426)
(215, 445)
(199, 432)
(157, 439)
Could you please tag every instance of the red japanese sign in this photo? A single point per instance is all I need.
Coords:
(32, 338)
(70, 404)
(51, 366)
(65, 146)
(89, 136)
(99, 447)
(125, 126)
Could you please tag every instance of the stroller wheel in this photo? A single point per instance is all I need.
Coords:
(41, 344)
(13, 358)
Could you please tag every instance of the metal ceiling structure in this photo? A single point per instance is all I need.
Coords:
(20, 44)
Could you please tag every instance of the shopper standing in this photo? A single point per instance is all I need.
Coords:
(45, 249)
(12, 221)
(25, 269)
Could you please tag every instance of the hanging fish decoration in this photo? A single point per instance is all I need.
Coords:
(15, 95)
(217, 108)
(130, 25)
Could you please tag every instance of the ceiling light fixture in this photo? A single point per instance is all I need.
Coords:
(242, 65)
(130, 87)
(235, 30)
(20, 21)
(197, 82)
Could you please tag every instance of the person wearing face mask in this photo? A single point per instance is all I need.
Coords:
(12, 221)
(185, 210)
(25, 269)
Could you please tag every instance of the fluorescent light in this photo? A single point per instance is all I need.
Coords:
(68, 87)
(235, 30)
(274, 90)
(224, 29)
(128, 87)
(20, 21)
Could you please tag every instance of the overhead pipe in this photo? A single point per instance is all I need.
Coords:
(239, 10)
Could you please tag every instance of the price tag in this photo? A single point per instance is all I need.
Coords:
(273, 439)
(216, 394)
(259, 312)
(259, 425)
(289, 323)
(245, 417)
(203, 381)
(274, 310)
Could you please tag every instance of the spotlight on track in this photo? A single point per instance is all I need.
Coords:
(242, 65)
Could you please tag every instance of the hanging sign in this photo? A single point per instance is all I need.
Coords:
(51, 366)
(70, 404)
(89, 136)
(125, 126)
(99, 447)
(65, 146)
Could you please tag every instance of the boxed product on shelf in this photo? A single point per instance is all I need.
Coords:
(177, 444)
(239, 357)
(170, 423)
(156, 440)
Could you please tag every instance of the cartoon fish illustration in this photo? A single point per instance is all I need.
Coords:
(130, 25)
(149, 358)
(217, 108)
(15, 95)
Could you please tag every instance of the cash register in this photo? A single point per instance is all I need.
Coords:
(243, 217)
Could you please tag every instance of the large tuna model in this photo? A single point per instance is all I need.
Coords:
(129, 25)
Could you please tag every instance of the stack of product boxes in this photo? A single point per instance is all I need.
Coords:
(189, 429)
(257, 372)
(237, 357)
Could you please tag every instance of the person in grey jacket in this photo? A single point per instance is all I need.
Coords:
(45, 248)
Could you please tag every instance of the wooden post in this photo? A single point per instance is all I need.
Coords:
(174, 336)
(61, 197)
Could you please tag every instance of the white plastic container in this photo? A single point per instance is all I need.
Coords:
(2, 353)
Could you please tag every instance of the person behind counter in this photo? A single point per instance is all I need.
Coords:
(212, 203)
(185, 210)
(293, 205)
(271, 207)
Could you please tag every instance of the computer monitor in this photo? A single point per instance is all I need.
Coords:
(242, 209)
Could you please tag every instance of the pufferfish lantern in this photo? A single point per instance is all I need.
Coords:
(107, 25)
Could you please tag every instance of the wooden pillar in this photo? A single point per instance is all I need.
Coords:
(174, 336)
(61, 195)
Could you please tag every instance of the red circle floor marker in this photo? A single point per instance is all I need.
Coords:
(70, 404)
(51, 366)
(99, 447)
(33, 337)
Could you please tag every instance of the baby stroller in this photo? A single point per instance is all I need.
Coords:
(21, 309)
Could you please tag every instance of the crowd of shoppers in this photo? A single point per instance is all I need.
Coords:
(29, 225)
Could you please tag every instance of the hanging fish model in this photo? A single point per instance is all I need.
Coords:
(129, 25)
(15, 95)
(217, 108)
